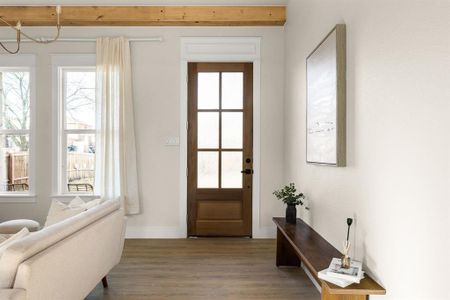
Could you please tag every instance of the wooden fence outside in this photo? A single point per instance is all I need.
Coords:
(80, 167)
(17, 166)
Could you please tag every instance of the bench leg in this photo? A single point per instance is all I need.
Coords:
(327, 296)
(286, 255)
(105, 282)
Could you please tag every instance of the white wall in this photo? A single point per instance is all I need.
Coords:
(156, 74)
(397, 181)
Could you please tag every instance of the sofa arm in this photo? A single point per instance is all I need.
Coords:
(14, 226)
(12, 294)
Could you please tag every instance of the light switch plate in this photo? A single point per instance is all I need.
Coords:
(172, 141)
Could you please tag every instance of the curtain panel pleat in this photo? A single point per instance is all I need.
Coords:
(116, 168)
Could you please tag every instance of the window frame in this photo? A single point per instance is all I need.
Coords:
(23, 62)
(61, 64)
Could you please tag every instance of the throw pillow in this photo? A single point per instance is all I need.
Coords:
(76, 202)
(59, 211)
(15, 237)
(93, 203)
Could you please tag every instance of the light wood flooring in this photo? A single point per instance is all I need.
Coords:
(213, 268)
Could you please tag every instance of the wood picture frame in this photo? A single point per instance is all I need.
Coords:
(326, 100)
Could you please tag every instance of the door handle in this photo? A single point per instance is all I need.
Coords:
(247, 171)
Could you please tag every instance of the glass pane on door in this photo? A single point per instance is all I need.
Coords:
(232, 90)
(231, 169)
(208, 169)
(208, 130)
(208, 90)
(232, 130)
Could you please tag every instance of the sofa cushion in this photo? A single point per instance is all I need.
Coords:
(34, 243)
(13, 294)
(15, 237)
(14, 226)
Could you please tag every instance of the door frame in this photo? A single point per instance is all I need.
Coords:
(221, 49)
(196, 196)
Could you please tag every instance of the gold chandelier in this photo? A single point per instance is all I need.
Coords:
(19, 33)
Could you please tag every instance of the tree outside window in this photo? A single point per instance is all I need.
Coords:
(14, 129)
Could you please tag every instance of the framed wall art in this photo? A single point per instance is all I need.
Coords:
(326, 100)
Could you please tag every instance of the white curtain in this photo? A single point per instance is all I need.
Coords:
(116, 174)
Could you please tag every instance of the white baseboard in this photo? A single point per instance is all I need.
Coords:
(313, 280)
(269, 232)
(154, 232)
(161, 232)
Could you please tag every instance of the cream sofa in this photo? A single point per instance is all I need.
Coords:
(64, 261)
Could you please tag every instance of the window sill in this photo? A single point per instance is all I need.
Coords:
(76, 194)
(17, 198)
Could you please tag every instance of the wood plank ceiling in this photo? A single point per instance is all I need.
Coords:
(147, 15)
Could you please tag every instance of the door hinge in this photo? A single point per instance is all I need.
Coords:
(187, 125)
(187, 172)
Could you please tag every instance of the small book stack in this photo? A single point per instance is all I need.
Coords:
(340, 276)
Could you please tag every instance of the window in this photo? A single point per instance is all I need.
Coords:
(15, 134)
(77, 132)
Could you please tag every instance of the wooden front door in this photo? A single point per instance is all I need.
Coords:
(220, 154)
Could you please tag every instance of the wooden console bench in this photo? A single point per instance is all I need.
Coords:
(300, 243)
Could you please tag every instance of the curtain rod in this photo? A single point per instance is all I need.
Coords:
(147, 39)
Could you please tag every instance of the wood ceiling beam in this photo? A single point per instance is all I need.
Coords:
(147, 15)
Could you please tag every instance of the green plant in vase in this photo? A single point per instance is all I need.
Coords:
(288, 194)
